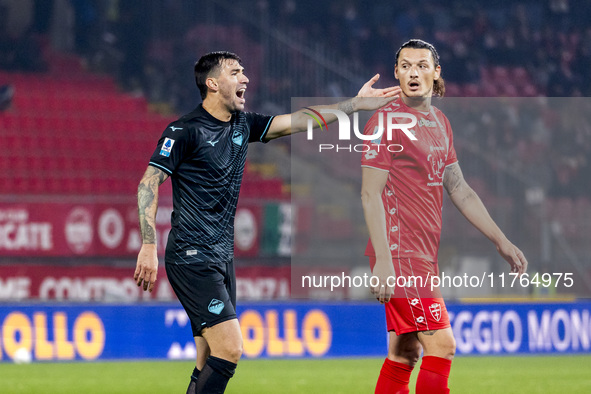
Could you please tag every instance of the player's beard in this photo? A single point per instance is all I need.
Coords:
(232, 103)
(416, 101)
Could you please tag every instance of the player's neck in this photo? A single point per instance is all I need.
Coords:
(216, 110)
(422, 104)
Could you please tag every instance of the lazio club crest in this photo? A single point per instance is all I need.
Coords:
(237, 137)
(215, 306)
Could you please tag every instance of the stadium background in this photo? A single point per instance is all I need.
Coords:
(86, 88)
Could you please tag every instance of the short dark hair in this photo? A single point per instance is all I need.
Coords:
(415, 43)
(209, 63)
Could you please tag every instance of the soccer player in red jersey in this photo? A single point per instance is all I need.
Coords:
(402, 194)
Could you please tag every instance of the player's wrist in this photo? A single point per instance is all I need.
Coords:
(355, 103)
(500, 240)
(383, 257)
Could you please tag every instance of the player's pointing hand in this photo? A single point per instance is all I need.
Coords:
(367, 89)
(372, 98)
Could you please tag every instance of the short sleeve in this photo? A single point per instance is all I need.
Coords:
(451, 153)
(171, 148)
(375, 152)
(259, 126)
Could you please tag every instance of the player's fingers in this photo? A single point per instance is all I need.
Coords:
(153, 280)
(140, 275)
(391, 95)
(512, 259)
(516, 262)
(391, 91)
(524, 263)
(391, 88)
(374, 289)
(381, 294)
(136, 273)
(146, 279)
(377, 293)
(390, 292)
(373, 80)
(367, 87)
(384, 293)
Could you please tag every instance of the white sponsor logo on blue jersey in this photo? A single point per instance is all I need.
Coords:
(166, 147)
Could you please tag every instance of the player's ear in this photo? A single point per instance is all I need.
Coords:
(212, 84)
(396, 71)
(437, 73)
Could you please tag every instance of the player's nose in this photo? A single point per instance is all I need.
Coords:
(244, 79)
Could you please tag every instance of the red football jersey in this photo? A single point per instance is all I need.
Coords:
(413, 195)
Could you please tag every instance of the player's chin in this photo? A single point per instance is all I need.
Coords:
(415, 94)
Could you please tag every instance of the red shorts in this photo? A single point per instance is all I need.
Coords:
(415, 306)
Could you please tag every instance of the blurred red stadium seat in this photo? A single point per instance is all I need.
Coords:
(471, 90)
(452, 90)
(500, 74)
(489, 89)
(529, 90)
(509, 90)
(72, 132)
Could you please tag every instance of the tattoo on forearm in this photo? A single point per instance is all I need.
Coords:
(470, 194)
(148, 203)
(145, 200)
(346, 106)
(452, 178)
(456, 186)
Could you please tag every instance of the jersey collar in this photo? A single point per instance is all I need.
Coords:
(200, 111)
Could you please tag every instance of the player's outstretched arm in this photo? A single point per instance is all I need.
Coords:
(372, 185)
(283, 125)
(471, 206)
(146, 269)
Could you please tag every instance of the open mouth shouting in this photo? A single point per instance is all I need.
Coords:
(240, 94)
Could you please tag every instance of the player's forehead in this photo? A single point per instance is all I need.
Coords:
(415, 55)
(229, 65)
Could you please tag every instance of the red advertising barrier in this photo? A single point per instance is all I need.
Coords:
(103, 230)
(115, 284)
